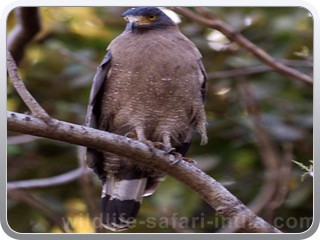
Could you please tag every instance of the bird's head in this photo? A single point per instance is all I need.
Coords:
(146, 18)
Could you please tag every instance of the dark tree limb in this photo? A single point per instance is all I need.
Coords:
(211, 21)
(218, 197)
(28, 25)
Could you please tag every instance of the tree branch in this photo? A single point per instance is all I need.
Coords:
(212, 22)
(26, 96)
(227, 205)
(49, 182)
(28, 25)
(21, 139)
(39, 204)
(245, 71)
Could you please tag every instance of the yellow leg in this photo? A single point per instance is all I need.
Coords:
(167, 142)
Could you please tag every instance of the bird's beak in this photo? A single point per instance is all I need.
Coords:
(134, 21)
(131, 24)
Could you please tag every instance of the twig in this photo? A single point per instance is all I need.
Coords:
(212, 22)
(28, 25)
(20, 139)
(219, 198)
(49, 182)
(26, 96)
(240, 72)
(37, 203)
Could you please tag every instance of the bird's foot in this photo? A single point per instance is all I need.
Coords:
(130, 135)
(158, 145)
(169, 149)
(149, 143)
(152, 145)
(189, 160)
(179, 157)
(164, 147)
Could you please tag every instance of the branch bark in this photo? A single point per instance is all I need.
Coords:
(212, 22)
(226, 205)
(23, 92)
(28, 25)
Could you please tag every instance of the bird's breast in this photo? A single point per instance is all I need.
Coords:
(154, 82)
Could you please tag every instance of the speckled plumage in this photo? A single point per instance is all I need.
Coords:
(154, 83)
(150, 87)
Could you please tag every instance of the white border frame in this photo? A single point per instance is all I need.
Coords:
(95, 3)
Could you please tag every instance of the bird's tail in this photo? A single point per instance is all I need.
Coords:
(121, 199)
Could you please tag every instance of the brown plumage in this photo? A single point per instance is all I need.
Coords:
(150, 87)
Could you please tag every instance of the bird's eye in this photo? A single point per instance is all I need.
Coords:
(127, 19)
(152, 17)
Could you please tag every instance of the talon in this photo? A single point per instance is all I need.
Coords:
(189, 160)
(163, 147)
(149, 143)
(170, 151)
(128, 134)
(179, 157)
(177, 160)
(158, 145)
(151, 146)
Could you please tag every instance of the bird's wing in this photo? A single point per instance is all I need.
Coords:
(96, 91)
(93, 157)
(204, 80)
(182, 149)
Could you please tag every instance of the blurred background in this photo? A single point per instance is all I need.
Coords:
(258, 122)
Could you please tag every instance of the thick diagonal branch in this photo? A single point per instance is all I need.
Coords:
(219, 198)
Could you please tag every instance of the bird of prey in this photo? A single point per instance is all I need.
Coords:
(150, 87)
